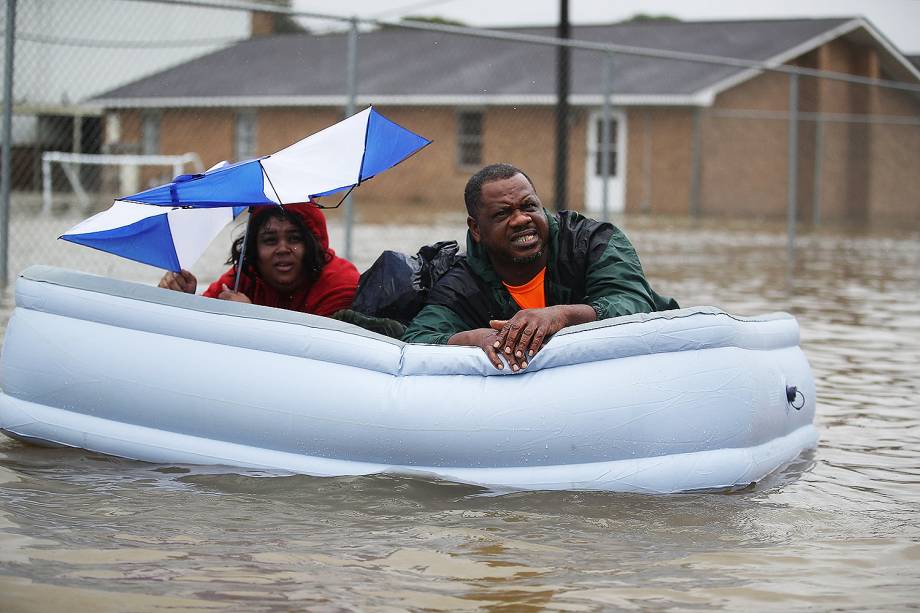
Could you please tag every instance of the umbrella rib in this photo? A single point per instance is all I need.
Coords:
(272, 185)
(329, 208)
(367, 128)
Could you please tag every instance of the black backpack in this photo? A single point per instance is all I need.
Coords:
(397, 285)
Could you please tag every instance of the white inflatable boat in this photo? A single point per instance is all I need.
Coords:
(675, 401)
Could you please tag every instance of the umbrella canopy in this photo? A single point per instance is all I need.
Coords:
(166, 237)
(170, 226)
(335, 159)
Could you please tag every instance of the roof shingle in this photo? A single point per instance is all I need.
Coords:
(402, 62)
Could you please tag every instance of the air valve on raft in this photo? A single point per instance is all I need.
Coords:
(795, 397)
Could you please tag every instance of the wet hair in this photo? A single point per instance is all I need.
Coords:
(472, 194)
(314, 258)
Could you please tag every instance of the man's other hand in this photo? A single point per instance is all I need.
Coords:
(522, 336)
(485, 339)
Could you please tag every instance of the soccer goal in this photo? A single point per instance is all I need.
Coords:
(129, 167)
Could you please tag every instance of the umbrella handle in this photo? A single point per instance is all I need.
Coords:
(239, 264)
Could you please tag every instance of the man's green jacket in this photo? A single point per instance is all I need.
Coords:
(589, 262)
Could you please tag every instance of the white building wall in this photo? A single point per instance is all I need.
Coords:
(70, 50)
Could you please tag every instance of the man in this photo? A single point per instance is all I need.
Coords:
(527, 275)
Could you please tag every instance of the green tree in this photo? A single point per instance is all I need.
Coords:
(442, 21)
(645, 17)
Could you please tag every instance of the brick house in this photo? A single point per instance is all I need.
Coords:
(688, 137)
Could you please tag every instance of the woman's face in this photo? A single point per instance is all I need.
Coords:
(281, 250)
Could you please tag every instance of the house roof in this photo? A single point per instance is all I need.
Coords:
(403, 66)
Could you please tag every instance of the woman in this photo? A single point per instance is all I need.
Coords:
(288, 264)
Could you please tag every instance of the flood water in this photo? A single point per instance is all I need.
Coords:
(839, 529)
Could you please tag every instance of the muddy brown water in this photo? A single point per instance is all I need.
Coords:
(838, 529)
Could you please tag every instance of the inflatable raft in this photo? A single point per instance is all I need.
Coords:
(675, 401)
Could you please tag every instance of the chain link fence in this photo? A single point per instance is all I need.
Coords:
(113, 96)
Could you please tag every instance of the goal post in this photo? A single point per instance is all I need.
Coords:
(128, 165)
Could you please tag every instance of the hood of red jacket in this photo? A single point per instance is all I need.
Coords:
(312, 216)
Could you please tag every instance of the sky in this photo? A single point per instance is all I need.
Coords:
(897, 20)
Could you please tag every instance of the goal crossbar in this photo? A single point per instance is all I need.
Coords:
(70, 161)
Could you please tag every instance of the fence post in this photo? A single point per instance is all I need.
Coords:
(646, 204)
(350, 105)
(562, 110)
(605, 138)
(793, 169)
(819, 162)
(46, 184)
(696, 162)
(6, 173)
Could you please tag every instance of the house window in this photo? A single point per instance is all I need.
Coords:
(599, 155)
(469, 138)
(245, 144)
(112, 129)
(150, 126)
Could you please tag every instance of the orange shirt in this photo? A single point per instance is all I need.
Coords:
(530, 295)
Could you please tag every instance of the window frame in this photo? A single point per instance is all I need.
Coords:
(151, 127)
(467, 139)
(245, 124)
(597, 162)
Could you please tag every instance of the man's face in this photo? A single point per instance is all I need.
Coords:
(510, 224)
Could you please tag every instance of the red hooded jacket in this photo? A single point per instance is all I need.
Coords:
(332, 291)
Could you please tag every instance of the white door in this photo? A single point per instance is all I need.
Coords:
(616, 181)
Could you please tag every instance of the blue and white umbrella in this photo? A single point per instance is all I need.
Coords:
(172, 238)
(335, 159)
(170, 226)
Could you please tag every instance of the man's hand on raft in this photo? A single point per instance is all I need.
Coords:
(520, 338)
(484, 338)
